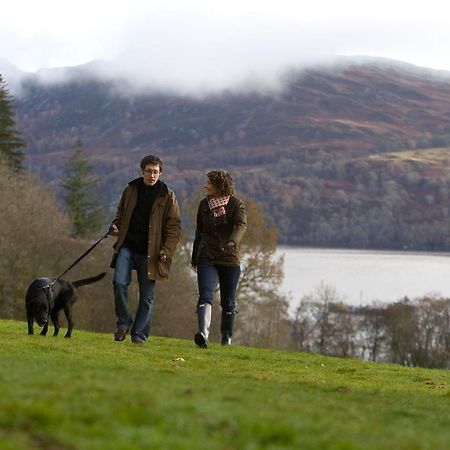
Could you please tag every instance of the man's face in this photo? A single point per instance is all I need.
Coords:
(151, 174)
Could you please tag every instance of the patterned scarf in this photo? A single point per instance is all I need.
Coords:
(216, 205)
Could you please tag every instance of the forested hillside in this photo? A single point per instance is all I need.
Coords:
(353, 155)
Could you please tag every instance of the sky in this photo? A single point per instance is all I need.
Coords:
(195, 44)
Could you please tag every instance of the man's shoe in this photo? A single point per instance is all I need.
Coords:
(120, 335)
(138, 341)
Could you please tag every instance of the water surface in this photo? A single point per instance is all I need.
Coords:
(361, 276)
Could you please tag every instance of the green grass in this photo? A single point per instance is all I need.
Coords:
(92, 393)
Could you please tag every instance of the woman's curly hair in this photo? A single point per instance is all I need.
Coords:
(222, 181)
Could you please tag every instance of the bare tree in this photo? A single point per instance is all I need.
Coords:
(373, 326)
(401, 331)
(263, 317)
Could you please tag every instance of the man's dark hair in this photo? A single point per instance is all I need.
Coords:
(152, 159)
(222, 181)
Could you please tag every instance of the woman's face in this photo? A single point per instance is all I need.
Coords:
(210, 188)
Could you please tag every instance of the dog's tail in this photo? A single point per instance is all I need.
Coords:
(84, 281)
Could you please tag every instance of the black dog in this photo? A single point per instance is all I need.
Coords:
(44, 300)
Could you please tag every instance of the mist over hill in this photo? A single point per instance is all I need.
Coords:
(355, 153)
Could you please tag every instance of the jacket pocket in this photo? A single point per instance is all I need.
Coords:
(163, 269)
(228, 250)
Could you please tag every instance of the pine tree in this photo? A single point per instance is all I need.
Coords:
(86, 214)
(10, 141)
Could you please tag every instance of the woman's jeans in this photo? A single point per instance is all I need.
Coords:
(126, 261)
(228, 278)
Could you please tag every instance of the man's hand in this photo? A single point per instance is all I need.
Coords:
(113, 230)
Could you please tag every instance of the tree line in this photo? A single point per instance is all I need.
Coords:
(410, 332)
(325, 199)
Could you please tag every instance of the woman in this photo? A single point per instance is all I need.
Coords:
(221, 223)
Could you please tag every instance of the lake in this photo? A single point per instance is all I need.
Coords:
(360, 276)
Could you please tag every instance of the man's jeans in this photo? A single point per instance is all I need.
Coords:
(126, 261)
(228, 278)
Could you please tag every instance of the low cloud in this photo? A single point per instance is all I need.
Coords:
(192, 57)
(188, 51)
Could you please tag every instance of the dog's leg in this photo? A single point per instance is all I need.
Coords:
(55, 321)
(30, 323)
(45, 329)
(68, 313)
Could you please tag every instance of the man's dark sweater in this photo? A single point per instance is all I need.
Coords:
(137, 236)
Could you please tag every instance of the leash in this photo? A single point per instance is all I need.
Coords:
(79, 259)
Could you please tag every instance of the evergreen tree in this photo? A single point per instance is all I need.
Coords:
(86, 214)
(10, 141)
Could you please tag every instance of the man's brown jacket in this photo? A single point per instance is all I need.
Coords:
(164, 228)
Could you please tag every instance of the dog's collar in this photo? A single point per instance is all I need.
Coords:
(47, 286)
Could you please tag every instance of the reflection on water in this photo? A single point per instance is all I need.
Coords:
(361, 276)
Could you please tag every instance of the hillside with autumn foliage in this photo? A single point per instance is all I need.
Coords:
(355, 154)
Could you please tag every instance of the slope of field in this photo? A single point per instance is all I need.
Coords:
(92, 393)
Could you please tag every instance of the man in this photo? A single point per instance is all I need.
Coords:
(148, 228)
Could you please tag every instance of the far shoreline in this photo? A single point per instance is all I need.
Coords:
(366, 250)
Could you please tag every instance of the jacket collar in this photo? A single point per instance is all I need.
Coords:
(164, 188)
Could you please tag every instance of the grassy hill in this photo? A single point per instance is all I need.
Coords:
(92, 393)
